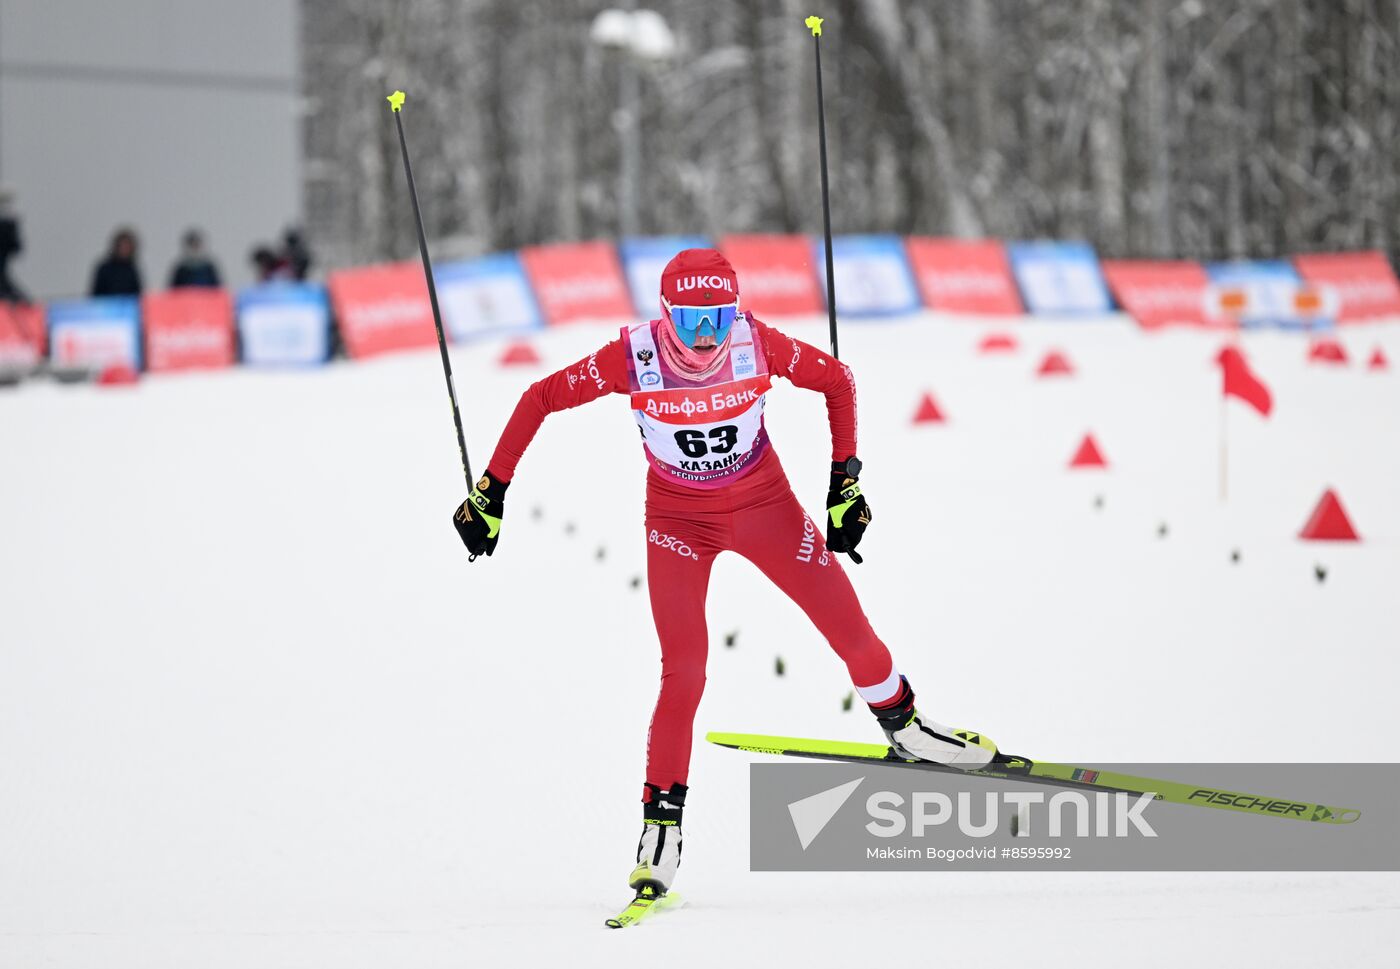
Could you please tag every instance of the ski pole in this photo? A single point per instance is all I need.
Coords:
(396, 106)
(814, 24)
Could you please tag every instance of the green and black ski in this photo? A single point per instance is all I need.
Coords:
(647, 903)
(1041, 772)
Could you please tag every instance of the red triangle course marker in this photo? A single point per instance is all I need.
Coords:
(1378, 360)
(1327, 350)
(1088, 455)
(1055, 363)
(117, 375)
(928, 412)
(1329, 522)
(519, 353)
(997, 343)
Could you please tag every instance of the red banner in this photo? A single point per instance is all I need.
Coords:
(1161, 293)
(578, 281)
(187, 329)
(1364, 282)
(380, 309)
(22, 334)
(776, 274)
(964, 276)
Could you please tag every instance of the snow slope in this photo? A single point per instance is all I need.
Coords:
(256, 708)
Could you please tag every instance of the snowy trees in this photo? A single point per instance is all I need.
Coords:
(1162, 127)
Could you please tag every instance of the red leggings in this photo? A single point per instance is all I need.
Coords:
(758, 516)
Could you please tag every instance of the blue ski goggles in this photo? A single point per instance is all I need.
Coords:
(692, 321)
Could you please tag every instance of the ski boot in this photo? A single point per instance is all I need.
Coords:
(658, 855)
(914, 737)
(659, 849)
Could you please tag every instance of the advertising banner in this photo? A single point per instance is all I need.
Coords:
(380, 309)
(1161, 293)
(1363, 281)
(188, 328)
(577, 281)
(964, 276)
(1264, 293)
(284, 325)
(644, 259)
(486, 296)
(872, 275)
(93, 334)
(776, 274)
(1059, 277)
(22, 335)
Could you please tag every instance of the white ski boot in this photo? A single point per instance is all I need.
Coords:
(659, 849)
(915, 737)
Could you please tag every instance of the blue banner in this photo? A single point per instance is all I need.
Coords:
(92, 334)
(643, 259)
(284, 325)
(873, 277)
(1059, 277)
(1265, 293)
(485, 296)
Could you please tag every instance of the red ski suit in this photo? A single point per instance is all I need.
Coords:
(756, 515)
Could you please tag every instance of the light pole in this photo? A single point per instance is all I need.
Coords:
(638, 36)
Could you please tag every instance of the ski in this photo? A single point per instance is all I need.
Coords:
(1007, 767)
(644, 906)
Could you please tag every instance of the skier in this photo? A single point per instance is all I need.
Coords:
(697, 378)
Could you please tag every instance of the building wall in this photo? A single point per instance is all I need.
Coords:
(158, 114)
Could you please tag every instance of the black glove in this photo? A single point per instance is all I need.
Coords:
(478, 519)
(847, 514)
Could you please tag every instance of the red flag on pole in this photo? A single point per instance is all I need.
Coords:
(1241, 382)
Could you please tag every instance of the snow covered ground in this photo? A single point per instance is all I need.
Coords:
(256, 708)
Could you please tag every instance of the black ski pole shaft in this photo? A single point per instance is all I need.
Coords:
(396, 104)
(815, 25)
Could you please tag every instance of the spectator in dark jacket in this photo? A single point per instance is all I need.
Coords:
(194, 267)
(117, 275)
(11, 245)
(295, 255)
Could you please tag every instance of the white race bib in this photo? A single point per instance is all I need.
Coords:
(700, 431)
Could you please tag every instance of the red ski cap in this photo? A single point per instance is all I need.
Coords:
(699, 277)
